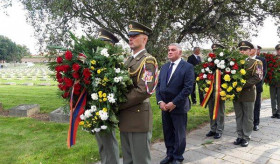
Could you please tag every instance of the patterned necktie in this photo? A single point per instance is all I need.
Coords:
(198, 59)
(169, 72)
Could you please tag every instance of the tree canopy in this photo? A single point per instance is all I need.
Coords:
(10, 51)
(223, 21)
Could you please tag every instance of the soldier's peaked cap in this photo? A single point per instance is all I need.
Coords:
(277, 47)
(106, 35)
(245, 44)
(135, 28)
(216, 46)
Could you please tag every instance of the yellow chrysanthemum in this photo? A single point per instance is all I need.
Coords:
(238, 89)
(100, 92)
(224, 85)
(105, 109)
(206, 89)
(99, 71)
(95, 117)
(229, 89)
(100, 100)
(104, 95)
(227, 77)
(208, 82)
(93, 62)
(81, 123)
(243, 81)
(106, 79)
(242, 71)
(92, 68)
(223, 93)
(197, 79)
(242, 61)
(223, 98)
(105, 99)
(97, 114)
(234, 84)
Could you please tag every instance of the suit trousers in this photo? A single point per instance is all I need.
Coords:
(108, 147)
(193, 95)
(174, 131)
(218, 124)
(257, 108)
(244, 119)
(136, 147)
(275, 99)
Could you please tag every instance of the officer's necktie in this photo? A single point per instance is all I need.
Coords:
(198, 59)
(169, 72)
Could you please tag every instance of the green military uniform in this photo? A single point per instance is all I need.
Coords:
(108, 143)
(136, 114)
(275, 94)
(244, 106)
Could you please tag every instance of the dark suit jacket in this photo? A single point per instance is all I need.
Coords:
(192, 59)
(179, 87)
(259, 86)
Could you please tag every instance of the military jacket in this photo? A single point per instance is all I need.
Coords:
(136, 113)
(254, 74)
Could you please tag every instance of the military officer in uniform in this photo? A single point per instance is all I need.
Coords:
(275, 92)
(107, 143)
(259, 87)
(244, 106)
(216, 126)
(136, 114)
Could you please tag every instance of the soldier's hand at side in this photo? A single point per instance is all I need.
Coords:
(170, 106)
(162, 106)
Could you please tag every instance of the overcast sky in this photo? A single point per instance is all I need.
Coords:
(15, 27)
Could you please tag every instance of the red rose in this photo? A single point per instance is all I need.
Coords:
(58, 68)
(76, 75)
(77, 92)
(68, 55)
(211, 64)
(59, 59)
(77, 86)
(270, 65)
(275, 66)
(205, 65)
(86, 73)
(86, 80)
(60, 86)
(68, 82)
(76, 67)
(212, 55)
(210, 76)
(233, 60)
(58, 75)
(66, 94)
(235, 66)
(201, 76)
(273, 60)
(65, 68)
(60, 80)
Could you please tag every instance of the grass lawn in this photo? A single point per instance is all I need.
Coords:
(26, 140)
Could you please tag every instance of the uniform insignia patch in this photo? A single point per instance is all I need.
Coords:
(243, 44)
(148, 76)
(259, 71)
(130, 26)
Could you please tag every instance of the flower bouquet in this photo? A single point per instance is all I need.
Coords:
(273, 67)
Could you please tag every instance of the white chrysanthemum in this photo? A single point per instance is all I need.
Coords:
(221, 54)
(222, 66)
(210, 72)
(204, 76)
(216, 61)
(120, 78)
(219, 65)
(103, 127)
(228, 69)
(97, 80)
(209, 59)
(117, 70)
(231, 63)
(103, 115)
(222, 61)
(207, 69)
(94, 96)
(233, 72)
(111, 98)
(202, 70)
(82, 117)
(93, 108)
(104, 52)
(88, 114)
(116, 79)
(97, 130)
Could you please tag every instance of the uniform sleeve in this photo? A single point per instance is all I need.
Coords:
(139, 93)
(257, 75)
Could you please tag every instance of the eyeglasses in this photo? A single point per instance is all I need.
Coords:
(243, 49)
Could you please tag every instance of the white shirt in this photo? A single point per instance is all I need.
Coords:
(135, 55)
(254, 57)
(176, 63)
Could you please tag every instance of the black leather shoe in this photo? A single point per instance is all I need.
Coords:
(244, 143)
(238, 141)
(218, 135)
(210, 134)
(274, 116)
(176, 162)
(166, 160)
(256, 128)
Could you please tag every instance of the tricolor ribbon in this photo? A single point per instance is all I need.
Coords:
(217, 82)
(75, 116)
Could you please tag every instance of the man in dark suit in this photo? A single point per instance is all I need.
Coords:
(259, 88)
(175, 84)
(195, 59)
